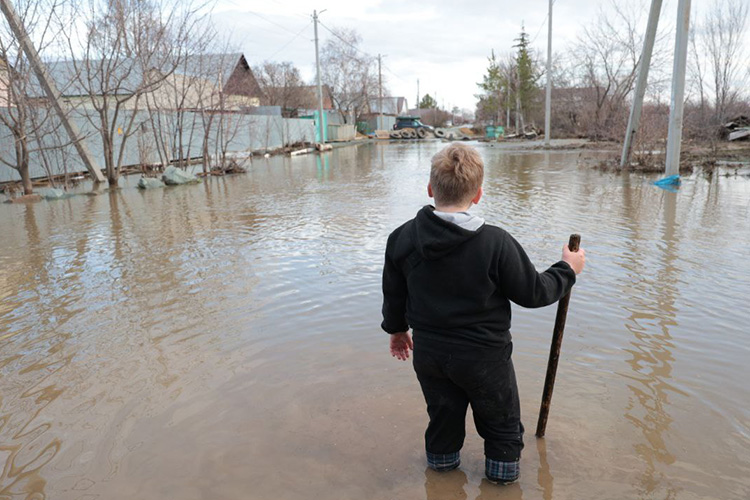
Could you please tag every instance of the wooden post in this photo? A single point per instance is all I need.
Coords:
(554, 352)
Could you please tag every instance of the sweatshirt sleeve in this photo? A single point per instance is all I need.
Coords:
(394, 295)
(522, 284)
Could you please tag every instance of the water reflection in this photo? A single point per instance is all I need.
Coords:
(445, 485)
(491, 491)
(544, 476)
(650, 300)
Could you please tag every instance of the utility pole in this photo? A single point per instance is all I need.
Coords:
(321, 117)
(674, 136)
(417, 106)
(49, 87)
(640, 86)
(548, 99)
(380, 85)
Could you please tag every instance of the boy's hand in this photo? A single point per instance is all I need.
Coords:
(400, 345)
(576, 259)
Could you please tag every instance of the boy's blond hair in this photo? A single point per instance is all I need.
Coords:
(456, 175)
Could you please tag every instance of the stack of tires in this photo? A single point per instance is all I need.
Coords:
(409, 133)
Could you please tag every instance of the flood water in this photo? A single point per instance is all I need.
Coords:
(222, 340)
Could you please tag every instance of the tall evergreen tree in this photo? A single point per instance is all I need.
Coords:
(527, 75)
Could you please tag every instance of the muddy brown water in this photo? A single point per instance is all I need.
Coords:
(222, 341)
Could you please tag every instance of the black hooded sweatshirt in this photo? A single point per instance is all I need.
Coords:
(452, 285)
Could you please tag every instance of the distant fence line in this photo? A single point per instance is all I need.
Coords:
(235, 134)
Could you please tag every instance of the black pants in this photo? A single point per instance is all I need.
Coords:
(451, 380)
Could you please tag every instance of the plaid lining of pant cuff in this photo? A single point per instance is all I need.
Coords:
(442, 462)
(505, 472)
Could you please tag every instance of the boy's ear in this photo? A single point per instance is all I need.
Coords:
(429, 190)
(478, 197)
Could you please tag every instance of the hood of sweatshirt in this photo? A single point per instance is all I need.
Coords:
(435, 236)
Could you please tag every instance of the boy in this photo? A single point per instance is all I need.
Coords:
(451, 278)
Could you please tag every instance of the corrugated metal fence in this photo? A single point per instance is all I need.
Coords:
(229, 132)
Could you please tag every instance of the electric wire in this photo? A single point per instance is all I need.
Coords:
(270, 58)
(544, 23)
(272, 22)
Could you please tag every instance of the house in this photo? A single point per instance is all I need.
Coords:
(206, 81)
(392, 106)
(201, 81)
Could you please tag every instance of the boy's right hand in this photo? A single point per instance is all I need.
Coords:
(401, 344)
(576, 260)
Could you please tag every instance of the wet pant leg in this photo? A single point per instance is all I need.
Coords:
(489, 381)
(497, 412)
(446, 406)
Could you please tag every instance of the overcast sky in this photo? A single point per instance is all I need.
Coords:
(444, 44)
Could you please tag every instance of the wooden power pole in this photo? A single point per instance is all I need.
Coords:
(49, 87)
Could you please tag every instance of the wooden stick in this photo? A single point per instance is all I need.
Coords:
(554, 351)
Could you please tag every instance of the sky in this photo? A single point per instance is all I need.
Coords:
(445, 44)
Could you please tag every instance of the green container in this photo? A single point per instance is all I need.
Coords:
(490, 131)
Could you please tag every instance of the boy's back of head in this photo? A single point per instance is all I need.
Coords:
(456, 175)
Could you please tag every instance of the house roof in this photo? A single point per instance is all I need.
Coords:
(212, 65)
(123, 75)
(126, 74)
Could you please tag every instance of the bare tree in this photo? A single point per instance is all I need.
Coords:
(22, 117)
(607, 54)
(215, 106)
(129, 48)
(722, 34)
(348, 72)
(173, 106)
(281, 83)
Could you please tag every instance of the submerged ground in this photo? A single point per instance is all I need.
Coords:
(222, 340)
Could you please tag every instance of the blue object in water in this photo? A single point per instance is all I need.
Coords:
(668, 182)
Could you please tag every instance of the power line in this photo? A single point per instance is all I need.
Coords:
(541, 26)
(290, 41)
(394, 74)
(287, 7)
(359, 50)
(345, 41)
(272, 22)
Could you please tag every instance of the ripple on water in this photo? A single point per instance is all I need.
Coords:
(210, 337)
